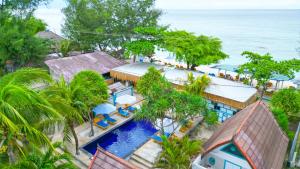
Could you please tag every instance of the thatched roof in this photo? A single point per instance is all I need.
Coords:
(50, 35)
(255, 132)
(70, 66)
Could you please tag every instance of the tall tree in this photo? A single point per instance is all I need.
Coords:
(194, 50)
(61, 96)
(161, 101)
(19, 45)
(24, 115)
(288, 100)
(262, 68)
(107, 25)
(90, 89)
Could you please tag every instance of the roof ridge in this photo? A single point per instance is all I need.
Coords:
(245, 120)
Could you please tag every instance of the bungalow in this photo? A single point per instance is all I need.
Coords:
(68, 67)
(224, 96)
(251, 139)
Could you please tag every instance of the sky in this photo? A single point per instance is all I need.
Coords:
(214, 4)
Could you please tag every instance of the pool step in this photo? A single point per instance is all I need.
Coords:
(144, 164)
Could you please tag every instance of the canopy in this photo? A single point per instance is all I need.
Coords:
(126, 99)
(279, 77)
(104, 108)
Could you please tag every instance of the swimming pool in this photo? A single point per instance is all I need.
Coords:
(123, 140)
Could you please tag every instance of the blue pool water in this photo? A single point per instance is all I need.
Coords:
(123, 140)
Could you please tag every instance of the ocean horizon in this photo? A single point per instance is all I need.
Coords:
(264, 31)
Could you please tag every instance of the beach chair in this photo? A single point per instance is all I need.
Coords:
(131, 109)
(103, 124)
(123, 112)
(158, 138)
(109, 119)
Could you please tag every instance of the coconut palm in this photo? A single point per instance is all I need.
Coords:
(177, 154)
(24, 115)
(61, 96)
(197, 85)
(48, 159)
(91, 89)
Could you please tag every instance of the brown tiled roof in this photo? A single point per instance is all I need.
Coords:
(70, 66)
(105, 160)
(256, 134)
(49, 35)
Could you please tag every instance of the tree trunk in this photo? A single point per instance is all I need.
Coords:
(188, 65)
(263, 91)
(71, 125)
(134, 58)
(11, 155)
(193, 67)
(92, 125)
(162, 126)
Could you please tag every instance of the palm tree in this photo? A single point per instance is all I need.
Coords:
(49, 159)
(197, 85)
(61, 96)
(24, 115)
(90, 89)
(177, 154)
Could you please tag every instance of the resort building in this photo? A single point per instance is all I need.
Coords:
(105, 160)
(224, 96)
(251, 139)
(68, 67)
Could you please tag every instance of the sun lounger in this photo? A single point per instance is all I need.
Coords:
(158, 138)
(131, 109)
(123, 112)
(103, 124)
(109, 119)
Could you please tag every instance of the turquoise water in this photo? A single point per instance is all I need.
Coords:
(273, 31)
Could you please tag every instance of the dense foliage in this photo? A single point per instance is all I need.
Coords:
(177, 154)
(162, 100)
(25, 116)
(19, 44)
(288, 100)
(197, 85)
(91, 90)
(262, 68)
(193, 50)
(107, 25)
(48, 159)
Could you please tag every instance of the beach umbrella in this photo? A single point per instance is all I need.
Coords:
(126, 99)
(104, 108)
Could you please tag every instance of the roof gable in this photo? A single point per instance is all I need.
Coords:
(255, 133)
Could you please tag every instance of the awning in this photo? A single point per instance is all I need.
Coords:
(126, 99)
(104, 108)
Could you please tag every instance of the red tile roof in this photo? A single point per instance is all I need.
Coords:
(69, 66)
(105, 160)
(256, 134)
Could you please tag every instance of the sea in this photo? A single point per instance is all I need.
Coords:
(264, 31)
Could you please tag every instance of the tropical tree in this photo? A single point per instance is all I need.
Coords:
(19, 44)
(91, 90)
(197, 85)
(262, 68)
(194, 50)
(107, 25)
(62, 97)
(161, 101)
(178, 154)
(211, 118)
(146, 41)
(288, 100)
(48, 159)
(24, 114)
